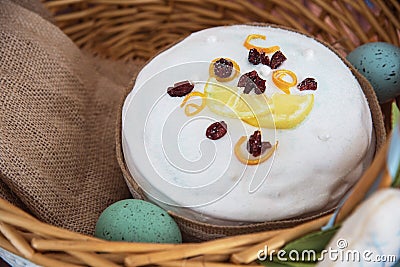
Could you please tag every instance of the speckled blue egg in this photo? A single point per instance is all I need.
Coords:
(136, 220)
(380, 63)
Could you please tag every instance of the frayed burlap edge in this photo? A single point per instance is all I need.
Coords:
(195, 231)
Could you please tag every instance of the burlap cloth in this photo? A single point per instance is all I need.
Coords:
(58, 108)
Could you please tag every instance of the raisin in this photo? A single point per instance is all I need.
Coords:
(277, 59)
(307, 84)
(254, 56)
(255, 146)
(180, 89)
(223, 68)
(250, 86)
(265, 146)
(260, 86)
(251, 81)
(246, 81)
(216, 130)
(264, 59)
(246, 78)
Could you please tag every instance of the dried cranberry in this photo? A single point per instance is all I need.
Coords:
(260, 86)
(251, 81)
(223, 68)
(216, 130)
(254, 56)
(255, 146)
(277, 59)
(180, 89)
(246, 78)
(264, 59)
(307, 84)
(265, 146)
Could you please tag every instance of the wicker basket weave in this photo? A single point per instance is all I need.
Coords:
(137, 29)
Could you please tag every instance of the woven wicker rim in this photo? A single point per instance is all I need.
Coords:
(126, 29)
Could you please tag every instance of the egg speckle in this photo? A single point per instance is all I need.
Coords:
(380, 63)
(136, 220)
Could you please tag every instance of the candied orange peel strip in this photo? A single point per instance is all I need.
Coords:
(266, 50)
(236, 70)
(277, 78)
(243, 159)
(197, 108)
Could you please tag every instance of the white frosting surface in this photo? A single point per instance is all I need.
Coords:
(371, 232)
(170, 157)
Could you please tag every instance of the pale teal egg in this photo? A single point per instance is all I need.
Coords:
(380, 63)
(136, 220)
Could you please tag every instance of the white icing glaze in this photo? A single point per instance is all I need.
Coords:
(372, 231)
(314, 165)
(308, 54)
(212, 39)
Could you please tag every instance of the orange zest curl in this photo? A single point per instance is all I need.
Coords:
(277, 78)
(236, 71)
(266, 50)
(197, 108)
(245, 160)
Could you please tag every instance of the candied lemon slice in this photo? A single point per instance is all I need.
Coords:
(287, 112)
(229, 101)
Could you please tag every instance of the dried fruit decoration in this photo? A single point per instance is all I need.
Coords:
(223, 68)
(277, 59)
(264, 59)
(249, 46)
(180, 89)
(196, 108)
(277, 78)
(255, 146)
(263, 156)
(307, 84)
(251, 81)
(216, 130)
(256, 57)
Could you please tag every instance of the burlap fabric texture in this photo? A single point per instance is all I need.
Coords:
(58, 108)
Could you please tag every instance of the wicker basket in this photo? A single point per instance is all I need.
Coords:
(137, 29)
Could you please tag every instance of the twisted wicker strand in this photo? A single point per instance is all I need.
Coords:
(109, 30)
